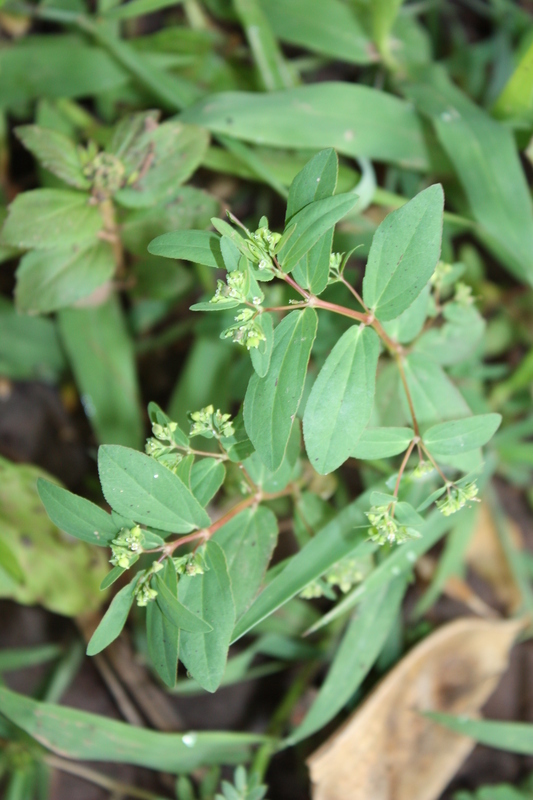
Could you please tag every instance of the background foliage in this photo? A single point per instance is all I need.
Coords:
(316, 443)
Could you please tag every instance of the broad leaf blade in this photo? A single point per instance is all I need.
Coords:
(514, 736)
(354, 119)
(312, 222)
(201, 247)
(344, 535)
(358, 650)
(382, 442)
(176, 613)
(271, 402)
(330, 29)
(113, 620)
(56, 152)
(138, 487)
(262, 354)
(209, 597)
(77, 516)
(43, 218)
(83, 736)
(339, 406)
(405, 251)
(248, 542)
(487, 165)
(462, 435)
(316, 181)
(161, 633)
(207, 476)
(51, 279)
(101, 354)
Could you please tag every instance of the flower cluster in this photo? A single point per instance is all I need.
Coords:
(144, 593)
(162, 446)
(456, 498)
(127, 547)
(246, 331)
(343, 575)
(384, 528)
(191, 564)
(463, 294)
(262, 244)
(210, 423)
(233, 289)
(106, 172)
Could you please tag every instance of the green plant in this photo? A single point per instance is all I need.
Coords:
(367, 343)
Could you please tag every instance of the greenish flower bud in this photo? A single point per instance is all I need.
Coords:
(457, 498)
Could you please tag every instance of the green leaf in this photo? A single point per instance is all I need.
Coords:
(162, 634)
(73, 69)
(77, 516)
(176, 613)
(102, 358)
(276, 481)
(209, 596)
(176, 151)
(312, 222)
(44, 218)
(331, 30)
(172, 91)
(340, 404)
(435, 397)
(354, 119)
(137, 486)
(271, 402)
(451, 561)
(13, 659)
(384, 13)
(409, 324)
(316, 181)
(516, 99)
(404, 253)
(60, 574)
(56, 152)
(201, 247)
(360, 646)
(339, 538)
(517, 737)
(382, 442)
(248, 542)
(262, 354)
(136, 8)
(457, 339)
(484, 156)
(462, 435)
(187, 207)
(238, 446)
(111, 577)
(29, 347)
(113, 620)
(89, 737)
(275, 72)
(51, 279)
(207, 476)
(10, 563)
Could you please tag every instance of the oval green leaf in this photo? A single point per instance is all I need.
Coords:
(137, 486)
(340, 403)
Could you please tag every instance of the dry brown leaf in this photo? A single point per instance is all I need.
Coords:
(388, 750)
(486, 557)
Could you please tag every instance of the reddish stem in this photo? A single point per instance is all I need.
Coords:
(403, 465)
